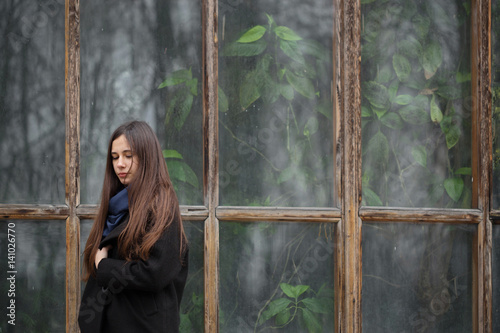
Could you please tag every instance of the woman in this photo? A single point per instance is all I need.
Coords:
(136, 256)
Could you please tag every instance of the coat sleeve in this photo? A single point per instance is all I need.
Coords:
(153, 274)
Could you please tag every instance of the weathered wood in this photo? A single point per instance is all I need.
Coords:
(351, 120)
(34, 212)
(188, 213)
(495, 216)
(72, 116)
(481, 80)
(424, 215)
(210, 163)
(271, 214)
(337, 86)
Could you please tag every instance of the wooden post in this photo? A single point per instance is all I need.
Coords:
(72, 114)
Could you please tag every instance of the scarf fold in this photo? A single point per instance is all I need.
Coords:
(117, 210)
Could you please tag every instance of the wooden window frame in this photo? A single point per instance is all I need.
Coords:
(348, 218)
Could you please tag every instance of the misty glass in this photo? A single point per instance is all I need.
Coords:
(193, 300)
(495, 92)
(32, 102)
(416, 103)
(495, 275)
(129, 49)
(39, 272)
(417, 278)
(275, 103)
(192, 304)
(276, 277)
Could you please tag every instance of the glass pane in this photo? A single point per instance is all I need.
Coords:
(32, 122)
(495, 92)
(275, 103)
(416, 103)
(495, 274)
(129, 49)
(417, 278)
(276, 277)
(192, 304)
(33, 269)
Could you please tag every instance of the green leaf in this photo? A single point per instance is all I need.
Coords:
(286, 174)
(371, 198)
(376, 94)
(403, 99)
(392, 120)
(249, 91)
(410, 47)
(419, 154)
(454, 187)
(222, 98)
(179, 108)
(286, 91)
(183, 109)
(283, 317)
(402, 67)
(384, 74)
(179, 170)
(431, 59)
(290, 49)
(462, 77)
(316, 305)
(414, 115)
(286, 33)
(302, 85)
(177, 77)
(366, 112)
(244, 49)
(312, 323)
(311, 126)
(193, 86)
(378, 147)
(393, 90)
(274, 308)
(436, 114)
(464, 171)
(293, 291)
(252, 35)
(315, 49)
(379, 112)
(170, 153)
(452, 136)
(421, 25)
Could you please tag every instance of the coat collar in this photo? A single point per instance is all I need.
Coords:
(114, 233)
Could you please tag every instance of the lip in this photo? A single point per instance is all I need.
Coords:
(122, 175)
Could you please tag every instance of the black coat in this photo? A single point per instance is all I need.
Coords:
(136, 296)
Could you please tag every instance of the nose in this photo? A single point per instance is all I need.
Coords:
(120, 163)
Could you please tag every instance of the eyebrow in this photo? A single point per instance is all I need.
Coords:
(124, 151)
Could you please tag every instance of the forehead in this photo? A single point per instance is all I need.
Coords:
(120, 144)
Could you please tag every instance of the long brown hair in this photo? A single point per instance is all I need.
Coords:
(153, 204)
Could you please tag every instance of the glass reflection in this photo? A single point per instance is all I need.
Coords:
(275, 103)
(129, 52)
(416, 103)
(495, 274)
(39, 275)
(32, 102)
(417, 278)
(277, 277)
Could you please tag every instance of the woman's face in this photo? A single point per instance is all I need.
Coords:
(125, 163)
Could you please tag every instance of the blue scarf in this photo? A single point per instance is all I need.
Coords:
(117, 210)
